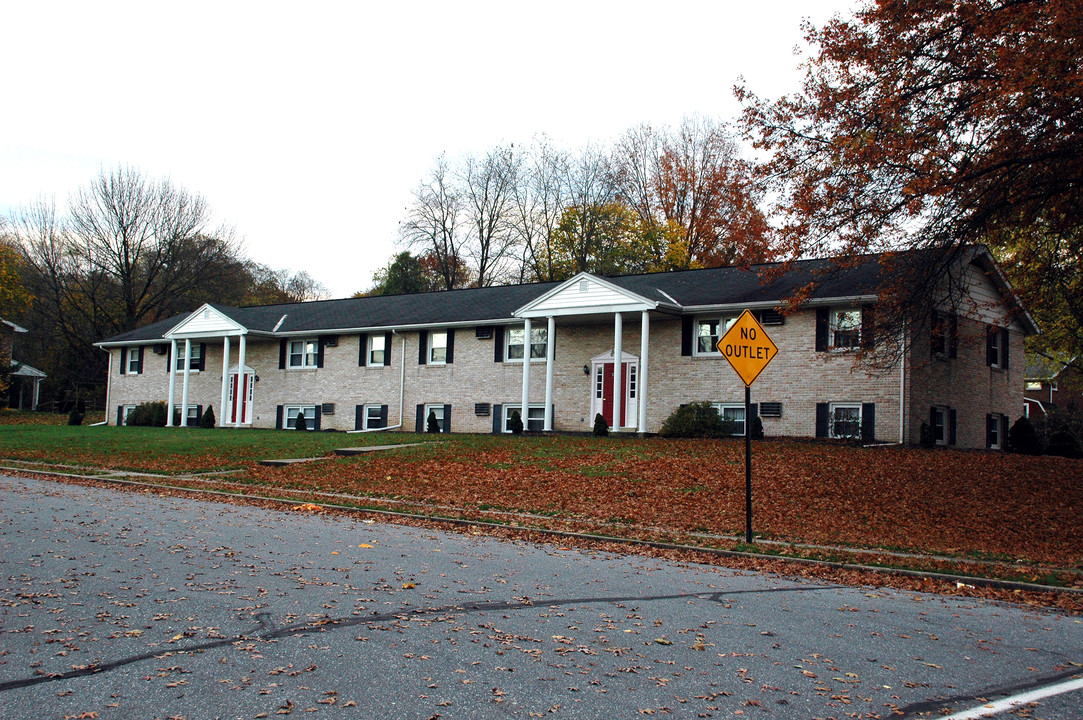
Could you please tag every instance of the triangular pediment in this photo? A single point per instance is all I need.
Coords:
(207, 321)
(585, 294)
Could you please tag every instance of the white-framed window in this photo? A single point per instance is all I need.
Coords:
(533, 422)
(940, 432)
(845, 329)
(196, 355)
(438, 411)
(734, 415)
(437, 350)
(128, 410)
(376, 350)
(599, 382)
(514, 340)
(373, 417)
(193, 415)
(1034, 385)
(134, 362)
(292, 411)
(844, 420)
(708, 331)
(302, 353)
(633, 371)
(994, 440)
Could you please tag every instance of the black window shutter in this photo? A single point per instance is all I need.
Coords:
(990, 349)
(821, 329)
(686, 335)
(319, 363)
(953, 336)
(953, 424)
(139, 369)
(123, 361)
(498, 344)
(387, 348)
(990, 422)
(358, 417)
(821, 420)
(932, 419)
(1003, 432)
(169, 358)
(1004, 348)
(316, 421)
(868, 326)
(202, 357)
(936, 333)
(278, 417)
(420, 425)
(199, 413)
(450, 346)
(447, 419)
(422, 348)
(383, 416)
(282, 354)
(120, 415)
(753, 413)
(498, 419)
(868, 422)
(362, 349)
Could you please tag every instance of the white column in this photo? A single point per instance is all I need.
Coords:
(225, 381)
(524, 411)
(618, 361)
(550, 342)
(172, 382)
(184, 385)
(243, 400)
(37, 389)
(641, 389)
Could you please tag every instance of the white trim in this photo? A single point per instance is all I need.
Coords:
(178, 332)
(638, 302)
(438, 408)
(298, 409)
(551, 330)
(724, 322)
(721, 407)
(507, 410)
(831, 419)
(365, 416)
(430, 346)
(644, 348)
(507, 343)
(305, 365)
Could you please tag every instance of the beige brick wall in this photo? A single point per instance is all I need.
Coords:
(966, 383)
(798, 378)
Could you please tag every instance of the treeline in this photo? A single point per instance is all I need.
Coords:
(657, 199)
(125, 251)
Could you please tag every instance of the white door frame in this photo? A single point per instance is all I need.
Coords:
(629, 403)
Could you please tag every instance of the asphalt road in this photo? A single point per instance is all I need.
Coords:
(130, 605)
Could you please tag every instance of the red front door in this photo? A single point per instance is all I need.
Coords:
(607, 392)
(239, 402)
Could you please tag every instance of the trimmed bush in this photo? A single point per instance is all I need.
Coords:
(757, 428)
(1022, 438)
(601, 427)
(75, 417)
(516, 423)
(149, 414)
(206, 421)
(300, 423)
(926, 440)
(1064, 444)
(695, 420)
(432, 425)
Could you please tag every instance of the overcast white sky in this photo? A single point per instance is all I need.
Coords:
(307, 125)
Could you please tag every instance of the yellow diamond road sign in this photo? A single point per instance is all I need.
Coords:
(747, 347)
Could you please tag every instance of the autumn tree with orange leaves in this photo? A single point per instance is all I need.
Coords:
(934, 125)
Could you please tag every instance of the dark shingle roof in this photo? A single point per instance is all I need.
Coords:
(689, 288)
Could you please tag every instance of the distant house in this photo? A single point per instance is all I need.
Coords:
(25, 380)
(550, 351)
(1051, 384)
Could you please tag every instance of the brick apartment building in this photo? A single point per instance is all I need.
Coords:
(389, 362)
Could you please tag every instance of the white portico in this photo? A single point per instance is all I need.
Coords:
(208, 323)
(620, 396)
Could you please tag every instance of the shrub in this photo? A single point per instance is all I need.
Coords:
(1022, 438)
(516, 423)
(206, 420)
(926, 439)
(300, 423)
(601, 427)
(699, 419)
(1064, 444)
(75, 417)
(432, 425)
(757, 428)
(149, 414)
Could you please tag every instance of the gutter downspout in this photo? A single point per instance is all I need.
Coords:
(902, 387)
(402, 394)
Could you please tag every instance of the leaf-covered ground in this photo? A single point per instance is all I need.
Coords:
(961, 504)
